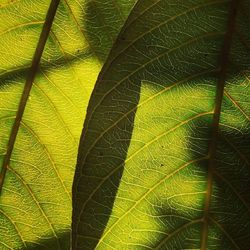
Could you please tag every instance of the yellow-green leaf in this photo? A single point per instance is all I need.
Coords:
(35, 201)
(164, 159)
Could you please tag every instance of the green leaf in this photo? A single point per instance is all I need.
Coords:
(164, 160)
(35, 201)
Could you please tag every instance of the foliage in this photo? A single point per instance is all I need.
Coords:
(35, 202)
(163, 160)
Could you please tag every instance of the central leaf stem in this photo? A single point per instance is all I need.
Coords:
(223, 63)
(28, 85)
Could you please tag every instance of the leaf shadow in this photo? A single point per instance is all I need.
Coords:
(230, 206)
(98, 180)
(102, 23)
(20, 74)
(92, 182)
(61, 241)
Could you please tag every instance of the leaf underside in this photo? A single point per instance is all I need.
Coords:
(35, 202)
(144, 163)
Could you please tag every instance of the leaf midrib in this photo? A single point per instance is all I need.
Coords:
(28, 85)
(223, 62)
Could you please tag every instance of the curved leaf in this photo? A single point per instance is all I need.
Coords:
(163, 161)
(35, 202)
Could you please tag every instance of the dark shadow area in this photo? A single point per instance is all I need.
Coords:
(230, 205)
(103, 22)
(62, 242)
(100, 167)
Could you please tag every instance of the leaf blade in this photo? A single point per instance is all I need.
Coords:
(36, 196)
(142, 92)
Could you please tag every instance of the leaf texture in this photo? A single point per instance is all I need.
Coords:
(35, 202)
(146, 177)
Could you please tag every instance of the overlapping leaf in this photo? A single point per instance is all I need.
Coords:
(35, 203)
(146, 177)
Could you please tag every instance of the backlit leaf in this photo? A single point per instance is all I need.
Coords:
(164, 159)
(35, 202)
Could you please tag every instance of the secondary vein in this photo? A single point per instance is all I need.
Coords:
(28, 85)
(223, 61)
